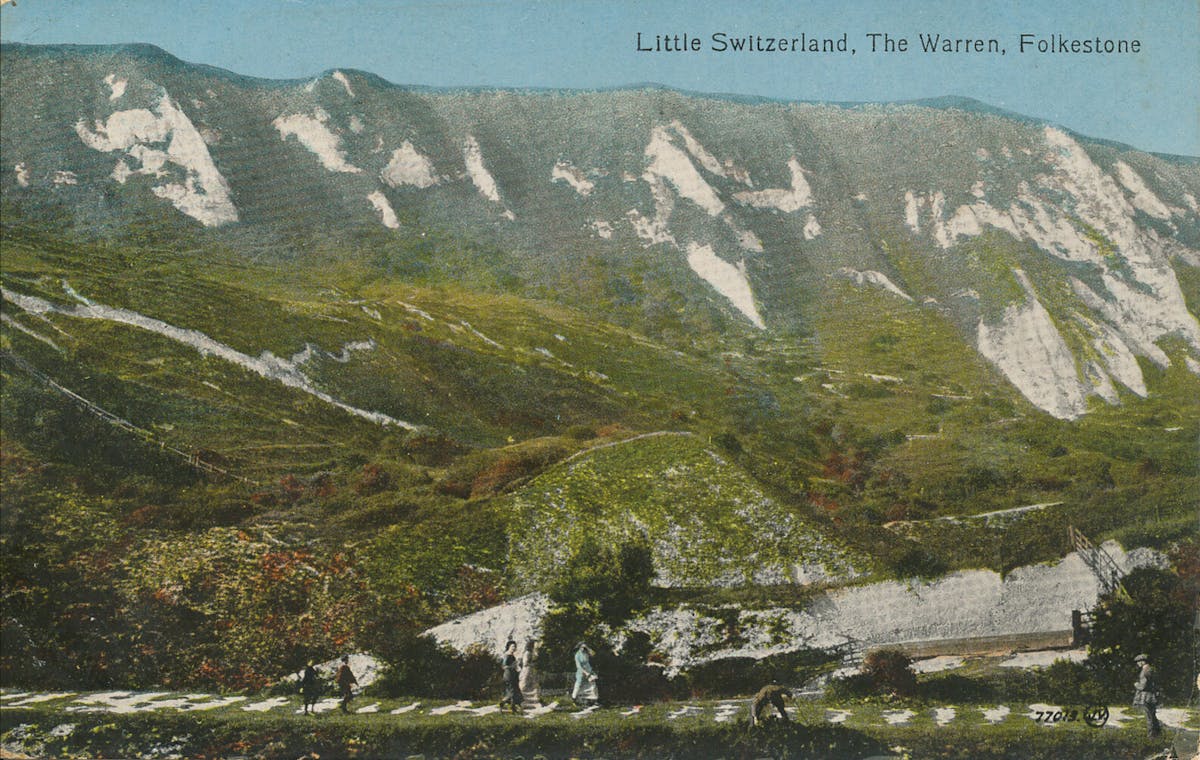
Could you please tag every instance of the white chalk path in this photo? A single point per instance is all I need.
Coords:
(39, 698)
(117, 702)
(837, 716)
(898, 717)
(1045, 711)
(686, 711)
(325, 705)
(725, 711)
(214, 704)
(541, 710)
(1176, 717)
(485, 710)
(944, 715)
(938, 664)
(1117, 717)
(996, 714)
(1041, 659)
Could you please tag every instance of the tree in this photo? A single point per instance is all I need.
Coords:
(1156, 619)
(598, 585)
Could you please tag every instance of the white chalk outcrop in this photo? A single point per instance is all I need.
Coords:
(1143, 198)
(344, 81)
(1078, 213)
(1029, 350)
(140, 133)
(669, 163)
(871, 278)
(573, 176)
(969, 604)
(483, 180)
(798, 196)
(727, 279)
(117, 86)
(519, 620)
(654, 230)
(386, 214)
(313, 133)
(408, 167)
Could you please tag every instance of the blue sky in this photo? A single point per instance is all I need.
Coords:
(1149, 100)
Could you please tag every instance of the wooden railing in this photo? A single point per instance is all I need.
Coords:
(1103, 566)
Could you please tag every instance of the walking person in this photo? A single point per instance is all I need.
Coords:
(586, 691)
(510, 671)
(310, 687)
(346, 682)
(529, 682)
(1146, 694)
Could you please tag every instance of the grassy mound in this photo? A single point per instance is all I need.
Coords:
(706, 520)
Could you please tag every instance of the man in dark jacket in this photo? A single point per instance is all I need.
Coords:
(1146, 694)
(346, 682)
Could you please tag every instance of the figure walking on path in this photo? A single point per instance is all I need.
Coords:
(531, 687)
(586, 690)
(510, 670)
(1146, 694)
(310, 687)
(771, 694)
(346, 682)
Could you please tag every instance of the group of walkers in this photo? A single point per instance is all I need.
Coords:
(311, 687)
(522, 683)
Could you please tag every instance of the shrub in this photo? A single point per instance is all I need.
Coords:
(373, 480)
(732, 676)
(433, 450)
(916, 562)
(598, 586)
(889, 671)
(423, 668)
(1155, 619)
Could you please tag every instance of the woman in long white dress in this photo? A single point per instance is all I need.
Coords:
(586, 691)
(531, 687)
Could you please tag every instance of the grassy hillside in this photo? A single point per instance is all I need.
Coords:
(706, 521)
(430, 417)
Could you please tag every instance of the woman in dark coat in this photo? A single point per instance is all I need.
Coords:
(511, 670)
(310, 687)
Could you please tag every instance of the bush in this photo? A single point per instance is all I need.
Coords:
(1155, 619)
(889, 671)
(916, 562)
(732, 676)
(423, 668)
